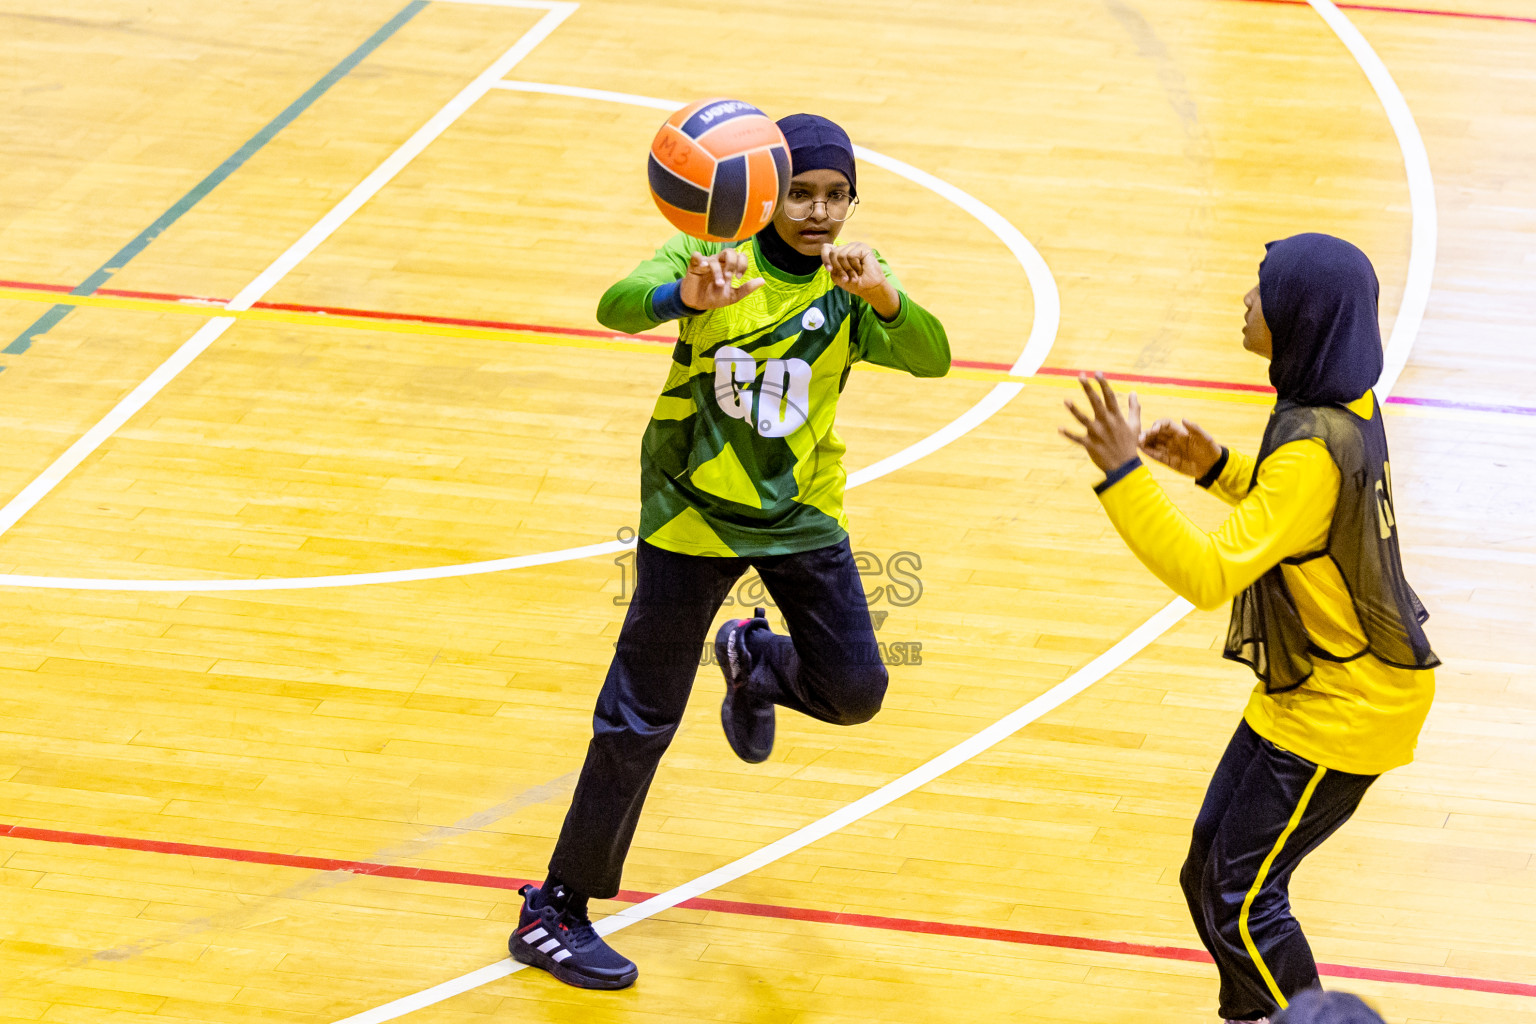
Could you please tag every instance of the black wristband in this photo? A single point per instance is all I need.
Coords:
(1214, 473)
(1117, 474)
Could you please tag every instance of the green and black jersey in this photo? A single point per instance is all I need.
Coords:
(741, 457)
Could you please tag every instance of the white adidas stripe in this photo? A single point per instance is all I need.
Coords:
(552, 943)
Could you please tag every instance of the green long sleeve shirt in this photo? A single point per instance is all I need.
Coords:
(741, 456)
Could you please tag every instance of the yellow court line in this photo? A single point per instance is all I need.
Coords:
(1124, 387)
(285, 316)
(616, 344)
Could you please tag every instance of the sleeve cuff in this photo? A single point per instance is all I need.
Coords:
(901, 313)
(1118, 474)
(667, 303)
(1214, 473)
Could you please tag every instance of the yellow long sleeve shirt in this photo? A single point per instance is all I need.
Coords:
(1360, 716)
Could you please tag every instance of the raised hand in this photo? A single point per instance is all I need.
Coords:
(1109, 436)
(855, 269)
(1182, 446)
(708, 283)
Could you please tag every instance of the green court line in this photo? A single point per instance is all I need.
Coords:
(104, 273)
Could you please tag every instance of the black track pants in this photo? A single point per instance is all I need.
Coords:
(1265, 810)
(828, 667)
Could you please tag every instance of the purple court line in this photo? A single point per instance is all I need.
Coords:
(1471, 15)
(1446, 403)
(973, 364)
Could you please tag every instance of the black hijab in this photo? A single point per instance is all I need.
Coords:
(1318, 295)
(815, 142)
(783, 255)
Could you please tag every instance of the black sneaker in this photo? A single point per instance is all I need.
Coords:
(565, 944)
(747, 720)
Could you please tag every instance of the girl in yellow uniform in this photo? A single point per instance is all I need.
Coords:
(1321, 611)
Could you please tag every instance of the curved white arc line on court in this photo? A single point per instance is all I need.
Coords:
(1042, 283)
(894, 790)
(322, 229)
(999, 396)
(1421, 195)
(1042, 336)
(315, 582)
(1138, 640)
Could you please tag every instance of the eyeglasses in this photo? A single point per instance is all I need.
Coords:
(839, 205)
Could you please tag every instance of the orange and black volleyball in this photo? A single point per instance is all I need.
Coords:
(717, 168)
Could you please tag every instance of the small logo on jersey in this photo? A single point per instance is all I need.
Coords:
(812, 320)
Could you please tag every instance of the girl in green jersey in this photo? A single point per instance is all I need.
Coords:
(740, 469)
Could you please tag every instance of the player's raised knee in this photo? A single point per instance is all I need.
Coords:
(861, 693)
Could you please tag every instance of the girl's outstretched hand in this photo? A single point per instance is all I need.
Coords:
(1182, 446)
(1109, 435)
(711, 280)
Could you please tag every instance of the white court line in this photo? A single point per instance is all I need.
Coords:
(358, 579)
(920, 776)
(523, 5)
(1042, 335)
(1047, 297)
(994, 400)
(1415, 296)
(583, 93)
(135, 400)
(206, 335)
(1421, 194)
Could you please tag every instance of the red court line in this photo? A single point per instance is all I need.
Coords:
(367, 314)
(1141, 378)
(582, 332)
(897, 924)
(1471, 15)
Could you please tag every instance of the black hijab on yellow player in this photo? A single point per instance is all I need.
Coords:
(1318, 295)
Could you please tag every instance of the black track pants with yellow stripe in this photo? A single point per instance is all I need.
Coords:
(1265, 810)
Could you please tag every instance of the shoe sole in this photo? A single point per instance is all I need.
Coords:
(723, 648)
(722, 655)
(730, 737)
(533, 958)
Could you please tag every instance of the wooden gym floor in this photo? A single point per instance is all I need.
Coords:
(228, 799)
